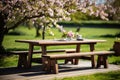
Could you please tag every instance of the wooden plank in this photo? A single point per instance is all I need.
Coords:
(58, 42)
(70, 50)
(77, 55)
(23, 52)
(35, 51)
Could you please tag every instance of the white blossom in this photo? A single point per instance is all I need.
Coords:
(48, 11)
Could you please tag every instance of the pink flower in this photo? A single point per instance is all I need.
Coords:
(70, 34)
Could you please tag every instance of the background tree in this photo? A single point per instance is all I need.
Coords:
(114, 9)
(44, 12)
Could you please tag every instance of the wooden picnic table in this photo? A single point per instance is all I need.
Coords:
(45, 43)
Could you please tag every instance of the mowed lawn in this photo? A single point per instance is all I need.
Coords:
(21, 32)
(114, 75)
(87, 33)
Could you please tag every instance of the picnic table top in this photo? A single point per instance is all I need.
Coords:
(52, 42)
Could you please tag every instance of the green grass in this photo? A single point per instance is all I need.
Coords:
(89, 33)
(114, 75)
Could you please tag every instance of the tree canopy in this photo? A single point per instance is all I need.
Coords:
(45, 11)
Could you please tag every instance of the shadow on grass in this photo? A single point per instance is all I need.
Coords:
(16, 33)
(16, 49)
(110, 35)
(37, 70)
(15, 70)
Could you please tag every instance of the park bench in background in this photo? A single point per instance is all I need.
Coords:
(51, 64)
(22, 60)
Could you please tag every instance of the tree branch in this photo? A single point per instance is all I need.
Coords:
(23, 20)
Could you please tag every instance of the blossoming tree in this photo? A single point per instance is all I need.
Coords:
(44, 12)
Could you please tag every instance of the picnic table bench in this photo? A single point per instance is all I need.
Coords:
(22, 59)
(51, 65)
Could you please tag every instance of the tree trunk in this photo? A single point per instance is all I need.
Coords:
(43, 33)
(37, 32)
(2, 31)
(2, 50)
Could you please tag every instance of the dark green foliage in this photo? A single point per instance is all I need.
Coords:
(111, 35)
(83, 16)
(15, 32)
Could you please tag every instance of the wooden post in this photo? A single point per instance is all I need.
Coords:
(46, 64)
(44, 52)
(29, 62)
(92, 48)
(105, 61)
(99, 61)
(102, 60)
(54, 66)
(77, 50)
(22, 61)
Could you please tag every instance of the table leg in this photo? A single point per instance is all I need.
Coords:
(92, 57)
(30, 56)
(43, 48)
(77, 50)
